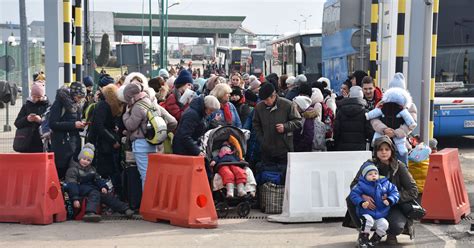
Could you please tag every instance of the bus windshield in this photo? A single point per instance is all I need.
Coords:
(453, 78)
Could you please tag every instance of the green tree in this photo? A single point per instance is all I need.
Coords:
(103, 57)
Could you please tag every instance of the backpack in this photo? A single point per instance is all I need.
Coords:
(44, 128)
(328, 120)
(319, 139)
(156, 130)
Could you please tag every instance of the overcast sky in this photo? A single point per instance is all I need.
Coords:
(263, 16)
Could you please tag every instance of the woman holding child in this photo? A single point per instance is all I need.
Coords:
(397, 173)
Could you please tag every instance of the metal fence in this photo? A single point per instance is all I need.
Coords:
(7, 127)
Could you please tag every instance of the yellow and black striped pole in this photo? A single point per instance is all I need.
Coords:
(374, 18)
(78, 39)
(466, 67)
(73, 38)
(434, 46)
(400, 36)
(67, 41)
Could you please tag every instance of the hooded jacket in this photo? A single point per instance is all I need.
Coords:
(376, 190)
(303, 140)
(173, 106)
(21, 121)
(351, 129)
(264, 121)
(192, 126)
(81, 180)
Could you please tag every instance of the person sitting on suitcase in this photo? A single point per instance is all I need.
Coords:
(83, 181)
(231, 174)
(384, 193)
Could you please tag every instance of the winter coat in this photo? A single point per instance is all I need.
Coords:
(21, 121)
(376, 190)
(243, 109)
(82, 180)
(294, 92)
(135, 118)
(253, 146)
(191, 126)
(303, 140)
(173, 106)
(65, 139)
(351, 129)
(264, 121)
(235, 117)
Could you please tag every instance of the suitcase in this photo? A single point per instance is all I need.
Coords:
(132, 186)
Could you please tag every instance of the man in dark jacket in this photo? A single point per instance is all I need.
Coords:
(274, 121)
(193, 125)
(351, 129)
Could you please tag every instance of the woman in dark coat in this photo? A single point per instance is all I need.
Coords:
(351, 129)
(397, 173)
(193, 125)
(65, 123)
(30, 116)
(103, 131)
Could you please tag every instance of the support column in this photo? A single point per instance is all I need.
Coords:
(25, 60)
(434, 47)
(374, 18)
(78, 24)
(400, 36)
(53, 51)
(67, 41)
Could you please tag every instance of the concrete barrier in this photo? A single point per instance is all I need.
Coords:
(317, 184)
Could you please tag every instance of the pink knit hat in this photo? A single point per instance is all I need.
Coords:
(37, 89)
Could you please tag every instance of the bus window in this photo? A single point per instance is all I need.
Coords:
(452, 79)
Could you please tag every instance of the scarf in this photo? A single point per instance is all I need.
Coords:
(227, 114)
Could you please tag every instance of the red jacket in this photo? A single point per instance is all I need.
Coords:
(377, 95)
(172, 106)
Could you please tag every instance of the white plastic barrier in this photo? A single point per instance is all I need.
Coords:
(317, 184)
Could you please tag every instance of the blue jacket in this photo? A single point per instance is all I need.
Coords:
(190, 128)
(376, 190)
(235, 116)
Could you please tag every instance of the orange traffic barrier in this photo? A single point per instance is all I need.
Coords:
(445, 196)
(177, 190)
(30, 192)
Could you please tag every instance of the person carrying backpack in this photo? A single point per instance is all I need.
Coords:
(303, 139)
(65, 123)
(136, 119)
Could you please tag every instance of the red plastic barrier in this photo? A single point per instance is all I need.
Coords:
(177, 190)
(445, 196)
(30, 192)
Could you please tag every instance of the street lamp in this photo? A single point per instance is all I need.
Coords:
(299, 25)
(165, 53)
(10, 42)
(305, 18)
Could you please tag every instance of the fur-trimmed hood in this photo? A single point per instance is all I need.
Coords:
(310, 113)
(110, 95)
(63, 95)
(399, 96)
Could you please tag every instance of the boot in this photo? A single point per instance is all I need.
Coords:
(91, 217)
(363, 240)
(374, 240)
(230, 190)
(391, 240)
(241, 190)
(129, 213)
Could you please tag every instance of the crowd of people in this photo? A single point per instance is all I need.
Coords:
(283, 114)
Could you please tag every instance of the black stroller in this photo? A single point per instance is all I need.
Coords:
(212, 141)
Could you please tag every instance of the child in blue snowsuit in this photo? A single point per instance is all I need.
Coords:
(384, 194)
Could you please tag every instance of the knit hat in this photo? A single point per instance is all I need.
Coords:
(325, 81)
(303, 102)
(245, 76)
(316, 96)
(163, 73)
(250, 96)
(356, 92)
(88, 82)
(211, 102)
(130, 91)
(78, 89)
(254, 84)
(87, 152)
(398, 81)
(183, 78)
(290, 81)
(105, 80)
(368, 169)
(266, 91)
(37, 89)
(300, 79)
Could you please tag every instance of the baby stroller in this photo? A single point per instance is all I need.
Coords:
(211, 143)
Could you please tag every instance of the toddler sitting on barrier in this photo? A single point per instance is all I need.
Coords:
(83, 181)
(384, 195)
(231, 173)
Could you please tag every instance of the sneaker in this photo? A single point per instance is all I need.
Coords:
(129, 213)
(391, 240)
(91, 217)
(241, 190)
(374, 240)
(230, 190)
(363, 240)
